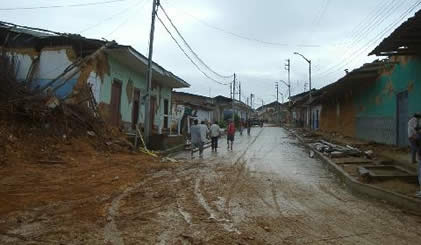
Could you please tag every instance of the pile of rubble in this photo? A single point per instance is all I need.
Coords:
(25, 111)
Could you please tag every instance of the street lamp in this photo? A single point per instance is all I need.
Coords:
(309, 69)
(309, 78)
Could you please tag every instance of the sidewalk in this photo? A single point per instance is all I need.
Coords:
(398, 190)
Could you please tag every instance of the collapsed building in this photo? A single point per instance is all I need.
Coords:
(74, 69)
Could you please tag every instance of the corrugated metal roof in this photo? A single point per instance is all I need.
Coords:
(404, 40)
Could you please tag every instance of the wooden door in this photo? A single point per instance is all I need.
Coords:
(135, 109)
(115, 103)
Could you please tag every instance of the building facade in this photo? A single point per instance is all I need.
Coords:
(68, 66)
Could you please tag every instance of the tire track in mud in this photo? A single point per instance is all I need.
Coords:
(241, 170)
(226, 223)
(111, 232)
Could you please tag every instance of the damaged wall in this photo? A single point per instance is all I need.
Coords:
(53, 61)
(132, 80)
(377, 105)
(24, 58)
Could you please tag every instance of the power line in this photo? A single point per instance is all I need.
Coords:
(62, 6)
(109, 17)
(379, 36)
(141, 5)
(351, 54)
(359, 36)
(240, 36)
(188, 57)
(190, 48)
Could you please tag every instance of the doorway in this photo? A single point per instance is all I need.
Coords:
(152, 112)
(135, 109)
(402, 117)
(115, 103)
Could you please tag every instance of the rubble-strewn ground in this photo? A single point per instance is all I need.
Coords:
(382, 154)
(267, 191)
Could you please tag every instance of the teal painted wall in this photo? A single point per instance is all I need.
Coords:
(124, 75)
(376, 105)
(380, 99)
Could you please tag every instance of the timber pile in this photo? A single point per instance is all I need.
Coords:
(338, 151)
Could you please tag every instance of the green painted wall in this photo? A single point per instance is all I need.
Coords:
(380, 99)
(376, 103)
(124, 75)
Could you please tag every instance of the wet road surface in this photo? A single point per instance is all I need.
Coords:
(297, 198)
(266, 191)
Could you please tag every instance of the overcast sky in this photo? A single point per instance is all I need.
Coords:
(252, 38)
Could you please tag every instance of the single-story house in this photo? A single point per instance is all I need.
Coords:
(224, 108)
(193, 107)
(273, 112)
(66, 64)
(375, 102)
(299, 107)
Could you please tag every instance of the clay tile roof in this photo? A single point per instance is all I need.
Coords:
(404, 40)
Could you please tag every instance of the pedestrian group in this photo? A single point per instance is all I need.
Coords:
(199, 134)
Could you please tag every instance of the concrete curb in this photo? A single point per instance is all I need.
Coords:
(172, 150)
(357, 187)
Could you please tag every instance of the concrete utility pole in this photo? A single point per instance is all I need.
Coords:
(277, 91)
(239, 91)
(233, 98)
(148, 123)
(251, 101)
(288, 68)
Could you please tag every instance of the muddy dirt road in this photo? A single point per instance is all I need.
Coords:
(267, 191)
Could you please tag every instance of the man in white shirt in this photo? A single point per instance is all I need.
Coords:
(215, 130)
(204, 131)
(414, 125)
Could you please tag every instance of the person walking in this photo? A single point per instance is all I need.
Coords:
(230, 134)
(196, 138)
(215, 131)
(417, 143)
(204, 132)
(414, 125)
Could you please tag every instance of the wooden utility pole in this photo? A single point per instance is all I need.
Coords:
(148, 123)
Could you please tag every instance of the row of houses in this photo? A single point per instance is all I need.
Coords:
(273, 113)
(64, 65)
(375, 101)
(188, 107)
